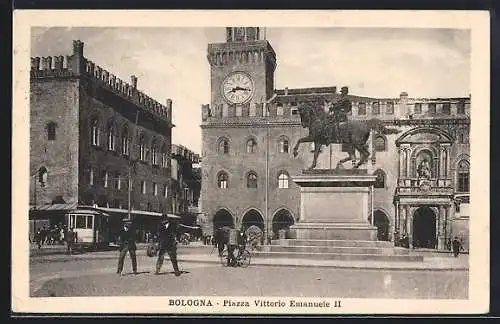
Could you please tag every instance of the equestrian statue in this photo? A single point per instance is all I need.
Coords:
(333, 127)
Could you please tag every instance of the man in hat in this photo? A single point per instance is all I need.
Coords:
(127, 244)
(167, 243)
(340, 109)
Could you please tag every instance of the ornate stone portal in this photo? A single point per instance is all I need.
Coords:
(334, 205)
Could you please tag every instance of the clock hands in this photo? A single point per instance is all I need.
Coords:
(239, 89)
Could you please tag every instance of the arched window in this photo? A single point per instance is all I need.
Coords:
(164, 156)
(51, 131)
(223, 146)
(361, 109)
(111, 138)
(95, 132)
(251, 146)
(380, 144)
(42, 176)
(389, 108)
(283, 145)
(142, 148)
(222, 180)
(283, 180)
(125, 141)
(463, 176)
(380, 181)
(251, 180)
(154, 153)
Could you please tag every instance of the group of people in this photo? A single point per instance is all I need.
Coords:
(167, 242)
(57, 234)
(232, 240)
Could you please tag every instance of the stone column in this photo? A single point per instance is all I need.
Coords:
(401, 162)
(439, 232)
(408, 163)
(445, 230)
(409, 226)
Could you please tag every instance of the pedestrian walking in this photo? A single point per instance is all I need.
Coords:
(127, 244)
(167, 243)
(38, 238)
(456, 246)
(70, 240)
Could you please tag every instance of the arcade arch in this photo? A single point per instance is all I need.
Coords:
(381, 221)
(424, 228)
(223, 218)
(282, 219)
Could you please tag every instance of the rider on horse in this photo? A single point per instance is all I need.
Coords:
(339, 110)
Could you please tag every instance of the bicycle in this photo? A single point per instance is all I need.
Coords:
(242, 258)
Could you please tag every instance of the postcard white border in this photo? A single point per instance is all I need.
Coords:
(476, 21)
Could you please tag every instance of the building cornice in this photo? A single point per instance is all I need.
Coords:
(263, 122)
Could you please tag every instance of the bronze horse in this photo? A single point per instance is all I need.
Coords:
(322, 131)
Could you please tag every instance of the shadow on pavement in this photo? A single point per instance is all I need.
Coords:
(172, 273)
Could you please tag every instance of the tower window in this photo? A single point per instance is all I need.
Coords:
(283, 145)
(251, 146)
(283, 180)
(143, 187)
(223, 146)
(375, 108)
(222, 180)
(251, 180)
(51, 131)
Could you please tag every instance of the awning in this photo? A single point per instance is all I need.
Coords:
(54, 207)
(133, 211)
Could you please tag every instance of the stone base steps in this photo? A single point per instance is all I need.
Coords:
(333, 243)
(338, 256)
(334, 249)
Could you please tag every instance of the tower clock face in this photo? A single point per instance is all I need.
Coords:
(237, 88)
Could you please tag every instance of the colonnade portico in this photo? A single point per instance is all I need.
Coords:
(443, 211)
(424, 185)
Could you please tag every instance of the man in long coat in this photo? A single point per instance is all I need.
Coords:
(127, 244)
(167, 243)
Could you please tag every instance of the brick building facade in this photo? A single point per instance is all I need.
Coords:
(87, 127)
(248, 137)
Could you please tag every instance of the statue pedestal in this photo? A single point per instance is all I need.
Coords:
(335, 205)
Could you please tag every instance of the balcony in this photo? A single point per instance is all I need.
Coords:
(424, 187)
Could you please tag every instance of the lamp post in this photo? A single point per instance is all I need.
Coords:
(129, 189)
(266, 232)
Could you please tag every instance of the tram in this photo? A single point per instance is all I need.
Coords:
(91, 227)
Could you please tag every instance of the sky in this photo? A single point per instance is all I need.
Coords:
(171, 62)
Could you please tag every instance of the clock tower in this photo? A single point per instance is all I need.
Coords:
(241, 71)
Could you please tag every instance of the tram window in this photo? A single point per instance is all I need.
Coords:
(89, 221)
(81, 221)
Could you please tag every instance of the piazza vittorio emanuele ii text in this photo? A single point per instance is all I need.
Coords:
(250, 168)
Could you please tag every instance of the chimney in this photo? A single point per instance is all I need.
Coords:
(77, 60)
(78, 47)
(169, 109)
(133, 81)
